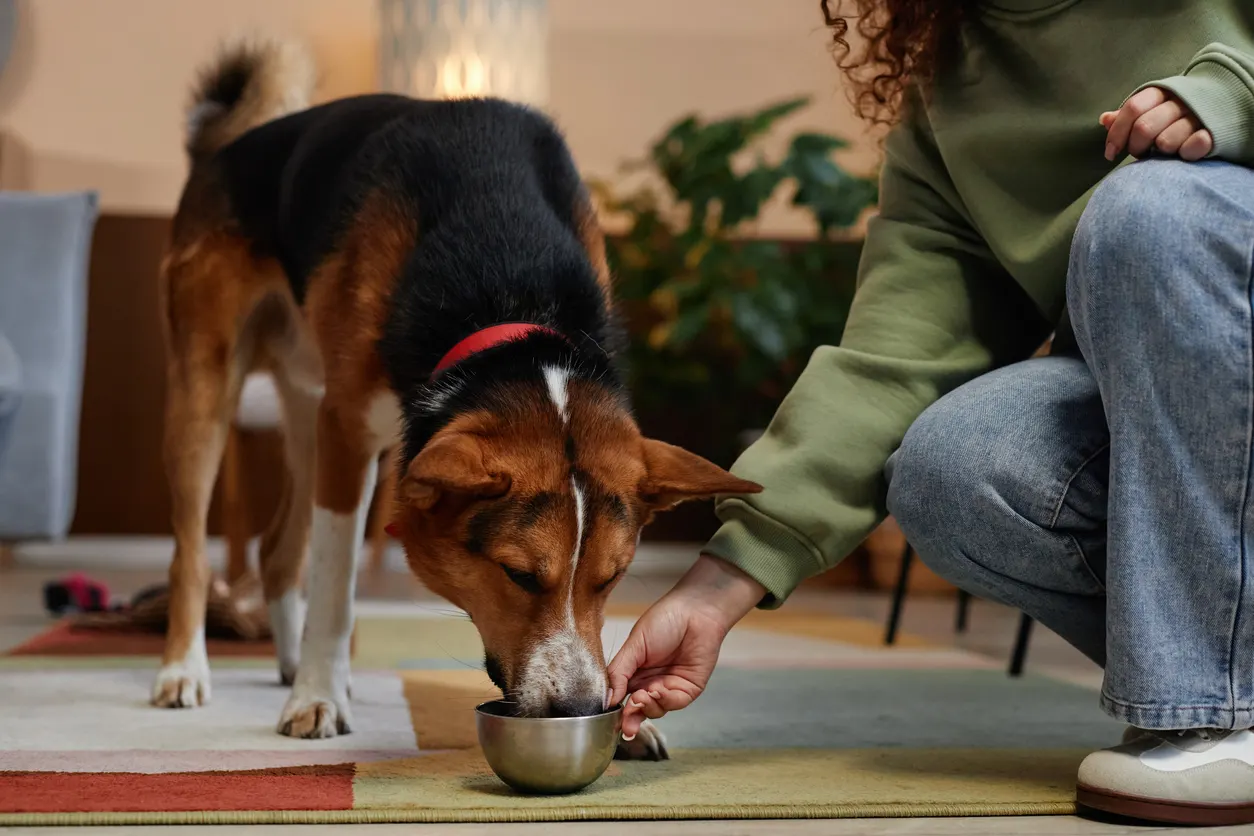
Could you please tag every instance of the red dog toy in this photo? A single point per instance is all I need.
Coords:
(76, 593)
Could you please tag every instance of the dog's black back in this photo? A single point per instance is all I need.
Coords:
(296, 182)
(496, 198)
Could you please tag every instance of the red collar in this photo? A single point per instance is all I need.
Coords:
(489, 338)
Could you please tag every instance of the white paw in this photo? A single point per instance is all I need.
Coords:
(314, 713)
(649, 744)
(287, 620)
(181, 685)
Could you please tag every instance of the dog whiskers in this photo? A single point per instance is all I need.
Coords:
(449, 613)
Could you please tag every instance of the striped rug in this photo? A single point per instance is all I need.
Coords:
(808, 716)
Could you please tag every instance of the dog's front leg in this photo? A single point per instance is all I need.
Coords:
(318, 705)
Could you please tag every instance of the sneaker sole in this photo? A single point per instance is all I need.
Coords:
(1158, 810)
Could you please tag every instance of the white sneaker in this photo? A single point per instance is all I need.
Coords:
(1199, 776)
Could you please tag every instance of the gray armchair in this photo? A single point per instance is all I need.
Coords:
(45, 241)
(10, 391)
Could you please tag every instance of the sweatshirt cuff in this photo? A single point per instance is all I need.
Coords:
(770, 553)
(1223, 102)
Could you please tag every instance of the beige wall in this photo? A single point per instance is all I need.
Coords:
(95, 89)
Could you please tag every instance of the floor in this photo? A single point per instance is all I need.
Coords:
(991, 631)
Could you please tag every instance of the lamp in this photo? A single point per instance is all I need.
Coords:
(445, 49)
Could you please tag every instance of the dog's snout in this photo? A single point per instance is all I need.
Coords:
(576, 706)
(562, 678)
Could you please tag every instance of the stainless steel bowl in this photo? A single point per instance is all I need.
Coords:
(551, 755)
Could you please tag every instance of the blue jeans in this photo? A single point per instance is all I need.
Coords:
(1108, 494)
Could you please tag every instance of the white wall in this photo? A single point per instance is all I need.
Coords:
(95, 90)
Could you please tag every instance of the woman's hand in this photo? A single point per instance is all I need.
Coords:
(670, 654)
(1154, 118)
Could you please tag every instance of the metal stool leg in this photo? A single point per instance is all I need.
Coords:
(1021, 645)
(899, 595)
(964, 610)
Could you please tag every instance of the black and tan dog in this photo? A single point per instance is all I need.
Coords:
(423, 274)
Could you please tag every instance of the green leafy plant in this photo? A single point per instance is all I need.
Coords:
(720, 319)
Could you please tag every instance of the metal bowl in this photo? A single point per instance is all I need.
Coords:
(550, 755)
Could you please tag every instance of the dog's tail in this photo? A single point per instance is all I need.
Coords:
(251, 81)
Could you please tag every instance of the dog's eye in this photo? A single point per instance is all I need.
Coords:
(607, 584)
(525, 580)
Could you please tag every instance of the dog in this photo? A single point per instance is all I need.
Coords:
(424, 276)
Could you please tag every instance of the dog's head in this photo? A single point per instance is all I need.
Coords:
(526, 514)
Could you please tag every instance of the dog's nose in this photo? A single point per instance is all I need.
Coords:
(577, 706)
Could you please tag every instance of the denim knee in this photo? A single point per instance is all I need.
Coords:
(936, 486)
(1143, 214)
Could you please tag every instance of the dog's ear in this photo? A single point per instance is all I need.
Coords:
(673, 475)
(450, 464)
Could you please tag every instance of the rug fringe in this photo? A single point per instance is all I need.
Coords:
(493, 815)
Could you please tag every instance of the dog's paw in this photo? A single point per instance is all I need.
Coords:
(312, 715)
(649, 744)
(181, 686)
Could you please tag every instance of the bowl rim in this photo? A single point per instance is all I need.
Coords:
(479, 710)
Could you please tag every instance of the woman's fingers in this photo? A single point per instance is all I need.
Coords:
(650, 703)
(640, 705)
(654, 701)
(1198, 146)
(1132, 110)
(1154, 119)
(1174, 136)
(618, 678)
(632, 718)
(625, 664)
(1150, 124)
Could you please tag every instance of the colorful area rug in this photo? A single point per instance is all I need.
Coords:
(808, 716)
(67, 639)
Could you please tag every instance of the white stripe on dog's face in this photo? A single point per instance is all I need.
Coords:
(556, 378)
(562, 674)
(577, 492)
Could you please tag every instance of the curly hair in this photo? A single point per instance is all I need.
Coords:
(903, 42)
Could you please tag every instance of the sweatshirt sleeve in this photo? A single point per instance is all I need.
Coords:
(1218, 86)
(933, 309)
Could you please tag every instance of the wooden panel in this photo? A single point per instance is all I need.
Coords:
(121, 488)
(121, 483)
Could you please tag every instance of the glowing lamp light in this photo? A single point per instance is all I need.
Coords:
(447, 49)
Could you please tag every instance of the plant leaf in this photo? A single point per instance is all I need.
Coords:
(689, 325)
(760, 328)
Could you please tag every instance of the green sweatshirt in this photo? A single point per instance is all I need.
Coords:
(964, 269)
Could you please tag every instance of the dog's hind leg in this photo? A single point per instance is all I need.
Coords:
(197, 409)
(208, 290)
(284, 544)
(200, 397)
